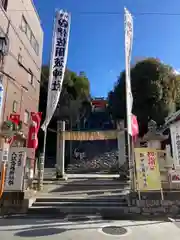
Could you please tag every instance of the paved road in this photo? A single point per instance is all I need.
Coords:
(51, 229)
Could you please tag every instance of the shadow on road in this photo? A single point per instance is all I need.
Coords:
(41, 232)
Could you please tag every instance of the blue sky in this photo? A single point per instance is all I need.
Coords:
(97, 39)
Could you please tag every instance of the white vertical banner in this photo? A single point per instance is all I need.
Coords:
(128, 50)
(15, 169)
(175, 141)
(59, 55)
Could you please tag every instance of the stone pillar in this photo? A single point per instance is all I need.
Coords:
(60, 149)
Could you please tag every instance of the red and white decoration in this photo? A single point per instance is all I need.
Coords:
(135, 128)
(15, 118)
(32, 141)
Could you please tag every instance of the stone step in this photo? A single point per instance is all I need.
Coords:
(59, 211)
(82, 198)
(94, 182)
(86, 183)
(85, 194)
(89, 188)
(79, 204)
(92, 176)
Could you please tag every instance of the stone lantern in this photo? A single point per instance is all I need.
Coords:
(153, 137)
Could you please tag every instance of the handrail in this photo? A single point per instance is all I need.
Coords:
(3, 174)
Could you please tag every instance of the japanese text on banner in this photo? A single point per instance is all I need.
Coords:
(58, 62)
(147, 168)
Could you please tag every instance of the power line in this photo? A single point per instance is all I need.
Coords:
(134, 14)
(107, 13)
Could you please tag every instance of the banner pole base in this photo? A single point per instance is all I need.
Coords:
(41, 164)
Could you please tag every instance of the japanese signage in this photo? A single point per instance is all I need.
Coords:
(5, 152)
(58, 62)
(175, 140)
(147, 169)
(128, 50)
(15, 170)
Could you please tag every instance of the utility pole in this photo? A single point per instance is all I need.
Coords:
(127, 143)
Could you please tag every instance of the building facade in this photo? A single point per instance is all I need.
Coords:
(20, 69)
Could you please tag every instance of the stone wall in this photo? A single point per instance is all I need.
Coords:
(151, 204)
(16, 202)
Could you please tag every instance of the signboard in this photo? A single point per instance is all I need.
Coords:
(147, 169)
(5, 152)
(15, 169)
(175, 140)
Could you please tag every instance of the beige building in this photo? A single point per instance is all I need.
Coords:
(21, 66)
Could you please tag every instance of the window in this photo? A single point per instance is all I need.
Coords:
(28, 33)
(37, 48)
(19, 58)
(4, 4)
(33, 41)
(15, 104)
(27, 30)
(26, 117)
(23, 25)
(30, 77)
(35, 44)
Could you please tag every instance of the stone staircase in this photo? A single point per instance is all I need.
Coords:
(97, 157)
(105, 197)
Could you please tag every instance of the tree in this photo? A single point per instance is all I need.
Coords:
(74, 102)
(154, 88)
(178, 92)
(75, 92)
